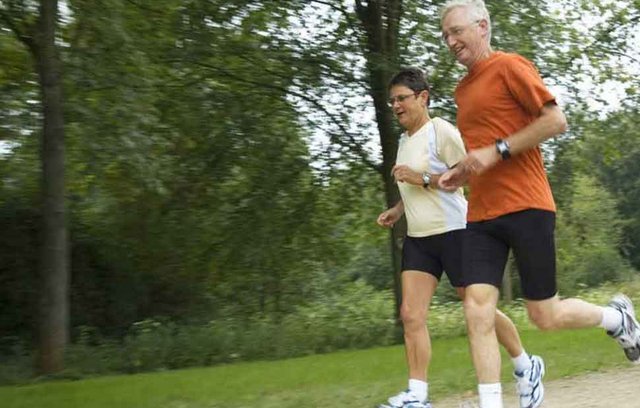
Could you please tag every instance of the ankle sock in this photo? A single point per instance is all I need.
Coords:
(490, 395)
(521, 363)
(611, 319)
(419, 388)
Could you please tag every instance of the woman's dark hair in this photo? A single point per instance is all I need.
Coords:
(412, 78)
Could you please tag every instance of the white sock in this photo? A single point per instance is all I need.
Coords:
(419, 388)
(521, 363)
(490, 395)
(611, 319)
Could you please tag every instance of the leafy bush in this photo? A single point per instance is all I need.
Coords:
(356, 317)
(589, 235)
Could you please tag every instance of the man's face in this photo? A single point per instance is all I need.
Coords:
(464, 36)
(408, 106)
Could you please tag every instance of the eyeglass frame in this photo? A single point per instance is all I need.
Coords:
(457, 31)
(401, 98)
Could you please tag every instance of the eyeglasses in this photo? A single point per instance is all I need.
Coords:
(456, 31)
(401, 98)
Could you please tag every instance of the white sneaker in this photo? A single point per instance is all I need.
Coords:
(405, 399)
(628, 334)
(529, 384)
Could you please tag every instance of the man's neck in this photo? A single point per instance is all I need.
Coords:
(484, 54)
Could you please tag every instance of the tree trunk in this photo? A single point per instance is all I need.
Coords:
(507, 282)
(380, 21)
(54, 265)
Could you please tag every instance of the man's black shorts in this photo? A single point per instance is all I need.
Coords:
(435, 254)
(530, 234)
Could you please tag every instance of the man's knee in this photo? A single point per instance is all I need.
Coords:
(412, 317)
(545, 318)
(480, 313)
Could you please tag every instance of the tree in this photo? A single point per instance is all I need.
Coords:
(229, 157)
(350, 50)
(589, 236)
(37, 31)
(608, 150)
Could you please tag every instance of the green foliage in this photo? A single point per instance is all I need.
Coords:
(190, 189)
(356, 378)
(198, 191)
(589, 235)
(606, 150)
(353, 318)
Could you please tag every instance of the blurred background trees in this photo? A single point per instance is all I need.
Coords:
(226, 160)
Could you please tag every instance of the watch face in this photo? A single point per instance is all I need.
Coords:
(503, 149)
(426, 178)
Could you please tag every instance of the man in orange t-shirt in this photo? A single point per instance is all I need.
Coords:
(504, 113)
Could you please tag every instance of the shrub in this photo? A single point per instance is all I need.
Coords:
(355, 317)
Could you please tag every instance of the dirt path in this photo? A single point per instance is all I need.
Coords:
(614, 389)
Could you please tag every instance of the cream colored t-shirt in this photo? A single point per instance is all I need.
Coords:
(430, 211)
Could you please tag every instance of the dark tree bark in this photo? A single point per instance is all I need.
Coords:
(54, 267)
(507, 281)
(53, 322)
(381, 21)
(53, 316)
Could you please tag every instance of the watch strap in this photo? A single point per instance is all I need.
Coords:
(502, 146)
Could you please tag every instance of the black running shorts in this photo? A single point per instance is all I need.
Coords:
(435, 254)
(530, 234)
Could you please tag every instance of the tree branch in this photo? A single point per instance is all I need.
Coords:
(353, 144)
(26, 38)
(602, 34)
(145, 8)
(330, 73)
(347, 15)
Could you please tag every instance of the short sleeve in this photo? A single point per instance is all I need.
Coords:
(450, 145)
(526, 86)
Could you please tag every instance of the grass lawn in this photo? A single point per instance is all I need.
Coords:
(343, 379)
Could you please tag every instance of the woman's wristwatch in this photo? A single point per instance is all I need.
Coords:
(426, 179)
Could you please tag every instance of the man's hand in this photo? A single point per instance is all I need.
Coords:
(403, 173)
(475, 162)
(453, 178)
(480, 160)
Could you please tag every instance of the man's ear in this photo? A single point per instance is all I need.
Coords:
(484, 25)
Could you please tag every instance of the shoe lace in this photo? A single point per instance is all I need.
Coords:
(523, 386)
(523, 383)
(627, 327)
(424, 404)
(402, 397)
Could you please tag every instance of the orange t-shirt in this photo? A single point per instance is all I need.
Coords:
(499, 96)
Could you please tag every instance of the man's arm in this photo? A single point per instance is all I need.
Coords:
(550, 123)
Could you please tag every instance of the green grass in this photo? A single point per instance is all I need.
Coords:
(356, 378)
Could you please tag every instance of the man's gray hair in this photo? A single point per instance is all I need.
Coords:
(476, 8)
